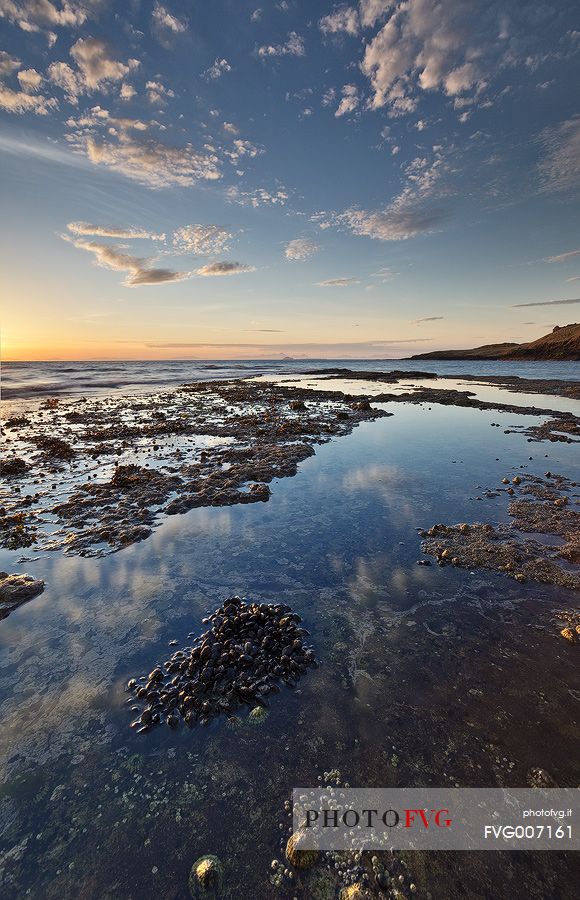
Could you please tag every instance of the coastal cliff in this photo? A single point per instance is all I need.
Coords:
(562, 343)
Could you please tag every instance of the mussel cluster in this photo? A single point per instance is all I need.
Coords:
(249, 650)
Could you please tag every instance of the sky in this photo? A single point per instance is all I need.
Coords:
(243, 180)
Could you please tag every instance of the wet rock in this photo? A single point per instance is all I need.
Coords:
(356, 892)
(539, 778)
(16, 589)
(297, 855)
(55, 447)
(257, 715)
(249, 649)
(12, 468)
(206, 878)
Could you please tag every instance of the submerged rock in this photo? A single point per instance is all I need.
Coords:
(356, 892)
(297, 855)
(206, 878)
(16, 589)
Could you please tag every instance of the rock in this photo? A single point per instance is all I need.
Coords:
(206, 878)
(356, 892)
(539, 778)
(570, 635)
(16, 589)
(257, 715)
(296, 855)
(12, 468)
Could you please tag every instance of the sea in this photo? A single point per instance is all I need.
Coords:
(34, 379)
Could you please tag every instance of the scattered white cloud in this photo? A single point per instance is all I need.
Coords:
(96, 63)
(294, 46)
(124, 146)
(349, 102)
(157, 93)
(328, 97)
(127, 92)
(30, 80)
(38, 15)
(223, 268)
(560, 166)
(344, 19)
(259, 197)
(256, 15)
(396, 223)
(562, 257)
(428, 319)
(20, 102)
(163, 20)
(202, 240)
(428, 45)
(96, 69)
(573, 278)
(139, 271)
(373, 10)
(299, 249)
(230, 128)
(337, 282)
(220, 67)
(114, 231)
(8, 64)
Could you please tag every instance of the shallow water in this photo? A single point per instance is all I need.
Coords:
(427, 676)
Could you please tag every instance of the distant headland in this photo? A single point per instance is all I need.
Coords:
(562, 343)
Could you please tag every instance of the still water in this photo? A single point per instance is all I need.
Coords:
(427, 676)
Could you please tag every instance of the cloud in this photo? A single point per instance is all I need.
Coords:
(115, 231)
(127, 92)
(96, 69)
(223, 268)
(256, 15)
(122, 145)
(243, 148)
(372, 10)
(560, 167)
(349, 102)
(8, 64)
(96, 63)
(157, 92)
(20, 102)
(163, 20)
(139, 271)
(294, 46)
(396, 223)
(220, 67)
(545, 303)
(428, 45)
(202, 240)
(37, 15)
(259, 197)
(562, 257)
(300, 249)
(344, 19)
(428, 319)
(573, 278)
(337, 282)
(30, 80)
